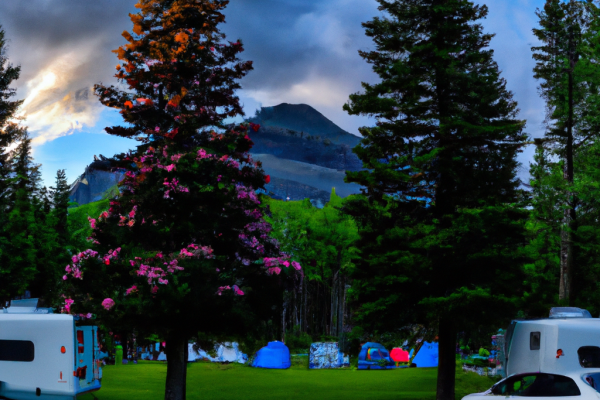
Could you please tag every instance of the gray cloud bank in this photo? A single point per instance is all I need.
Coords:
(304, 51)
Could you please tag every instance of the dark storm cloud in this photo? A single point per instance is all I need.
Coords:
(291, 40)
(42, 30)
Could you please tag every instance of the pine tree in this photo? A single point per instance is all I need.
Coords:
(12, 281)
(439, 237)
(184, 248)
(566, 64)
(60, 204)
(8, 74)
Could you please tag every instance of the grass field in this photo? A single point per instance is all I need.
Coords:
(208, 381)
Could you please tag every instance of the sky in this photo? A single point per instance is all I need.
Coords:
(304, 51)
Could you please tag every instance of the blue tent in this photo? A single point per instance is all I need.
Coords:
(274, 355)
(427, 356)
(371, 355)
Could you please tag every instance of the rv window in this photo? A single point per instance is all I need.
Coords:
(589, 356)
(534, 341)
(537, 385)
(16, 350)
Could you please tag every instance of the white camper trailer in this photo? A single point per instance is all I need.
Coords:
(46, 356)
(568, 341)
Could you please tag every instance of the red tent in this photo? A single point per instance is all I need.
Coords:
(399, 355)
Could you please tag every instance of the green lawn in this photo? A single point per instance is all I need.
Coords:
(145, 381)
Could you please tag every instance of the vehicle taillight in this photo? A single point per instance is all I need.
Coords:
(80, 341)
(63, 349)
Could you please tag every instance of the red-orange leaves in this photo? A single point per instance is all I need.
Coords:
(181, 37)
(172, 133)
(127, 36)
(174, 102)
(146, 102)
(128, 104)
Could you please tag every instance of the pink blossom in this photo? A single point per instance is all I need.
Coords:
(108, 303)
(286, 264)
(154, 289)
(222, 289)
(92, 222)
(163, 281)
(274, 270)
(131, 290)
(296, 266)
(64, 277)
(176, 157)
(237, 290)
(68, 303)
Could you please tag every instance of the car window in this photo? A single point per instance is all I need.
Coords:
(589, 356)
(537, 385)
(593, 380)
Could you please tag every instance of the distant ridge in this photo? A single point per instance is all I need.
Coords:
(305, 154)
(303, 118)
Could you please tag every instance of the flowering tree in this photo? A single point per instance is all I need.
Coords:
(184, 245)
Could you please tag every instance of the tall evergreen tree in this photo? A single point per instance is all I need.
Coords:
(60, 204)
(566, 65)
(8, 74)
(439, 236)
(12, 281)
(184, 248)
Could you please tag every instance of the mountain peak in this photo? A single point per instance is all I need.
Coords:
(303, 118)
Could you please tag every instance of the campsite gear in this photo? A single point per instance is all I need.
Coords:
(274, 355)
(567, 341)
(399, 355)
(226, 352)
(427, 356)
(118, 355)
(327, 355)
(46, 356)
(374, 356)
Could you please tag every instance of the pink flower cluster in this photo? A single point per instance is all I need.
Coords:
(68, 303)
(236, 290)
(173, 186)
(75, 267)
(246, 193)
(158, 275)
(129, 219)
(273, 264)
(108, 303)
(202, 154)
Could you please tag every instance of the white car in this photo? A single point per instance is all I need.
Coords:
(577, 385)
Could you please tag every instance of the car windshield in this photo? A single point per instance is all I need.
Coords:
(537, 385)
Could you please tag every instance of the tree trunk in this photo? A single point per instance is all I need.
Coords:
(566, 246)
(177, 355)
(447, 360)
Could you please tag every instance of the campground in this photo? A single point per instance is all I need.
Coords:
(208, 381)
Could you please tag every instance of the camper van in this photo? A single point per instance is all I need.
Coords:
(554, 357)
(46, 356)
(567, 341)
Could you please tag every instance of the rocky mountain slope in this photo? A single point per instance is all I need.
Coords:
(305, 154)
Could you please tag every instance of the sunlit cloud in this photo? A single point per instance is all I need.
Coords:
(51, 107)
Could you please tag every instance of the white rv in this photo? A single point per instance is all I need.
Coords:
(567, 341)
(46, 356)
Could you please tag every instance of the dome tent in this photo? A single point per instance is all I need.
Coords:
(274, 355)
(371, 355)
(427, 356)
